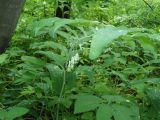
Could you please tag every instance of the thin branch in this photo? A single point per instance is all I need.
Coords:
(148, 4)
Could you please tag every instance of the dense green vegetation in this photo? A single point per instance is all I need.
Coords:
(101, 64)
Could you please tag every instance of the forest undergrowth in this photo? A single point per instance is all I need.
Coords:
(101, 64)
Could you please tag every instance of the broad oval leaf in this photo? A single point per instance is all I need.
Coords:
(15, 112)
(86, 103)
(104, 112)
(122, 112)
(103, 37)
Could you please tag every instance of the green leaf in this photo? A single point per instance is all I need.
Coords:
(3, 58)
(114, 98)
(122, 112)
(87, 70)
(121, 75)
(157, 61)
(52, 25)
(27, 76)
(60, 60)
(49, 44)
(15, 112)
(155, 36)
(148, 45)
(86, 103)
(63, 22)
(154, 96)
(103, 37)
(152, 80)
(70, 79)
(104, 112)
(3, 114)
(87, 116)
(33, 60)
(56, 76)
(38, 27)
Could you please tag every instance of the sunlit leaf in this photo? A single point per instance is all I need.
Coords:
(103, 37)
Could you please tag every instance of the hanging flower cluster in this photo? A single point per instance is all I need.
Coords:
(74, 60)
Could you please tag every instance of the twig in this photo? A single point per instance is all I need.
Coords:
(148, 4)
